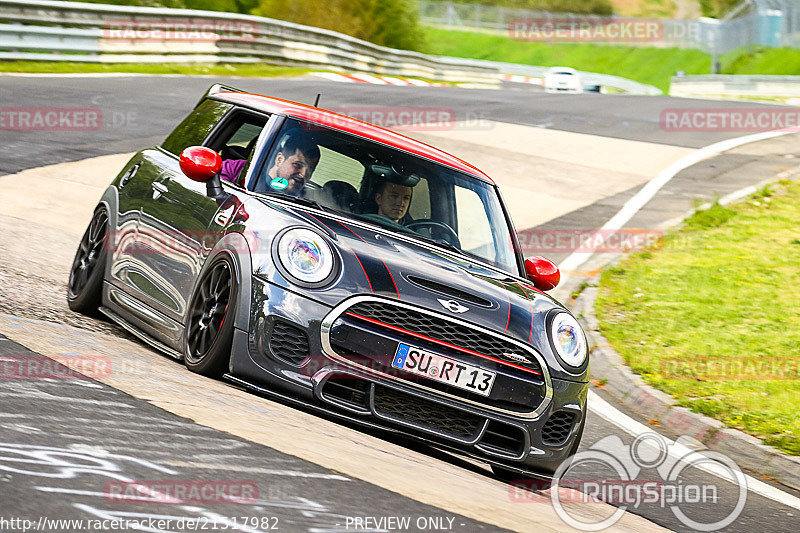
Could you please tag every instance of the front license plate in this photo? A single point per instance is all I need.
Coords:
(462, 375)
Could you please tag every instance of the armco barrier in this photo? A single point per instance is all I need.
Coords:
(74, 31)
(736, 86)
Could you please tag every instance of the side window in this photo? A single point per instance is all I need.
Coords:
(235, 142)
(196, 127)
(335, 166)
(474, 228)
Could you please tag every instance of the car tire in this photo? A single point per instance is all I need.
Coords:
(85, 284)
(208, 334)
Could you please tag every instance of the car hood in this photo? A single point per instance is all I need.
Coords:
(374, 261)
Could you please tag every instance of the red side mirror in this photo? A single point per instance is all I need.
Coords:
(200, 163)
(542, 272)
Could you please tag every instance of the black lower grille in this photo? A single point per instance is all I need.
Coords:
(442, 329)
(503, 439)
(414, 410)
(347, 389)
(289, 342)
(557, 428)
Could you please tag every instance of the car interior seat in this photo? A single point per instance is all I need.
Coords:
(340, 195)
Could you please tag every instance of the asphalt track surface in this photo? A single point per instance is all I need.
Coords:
(149, 443)
(141, 111)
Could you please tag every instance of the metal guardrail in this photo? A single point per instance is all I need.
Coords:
(749, 87)
(72, 31)
(752, 22)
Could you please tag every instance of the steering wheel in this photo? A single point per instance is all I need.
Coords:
(451, 233)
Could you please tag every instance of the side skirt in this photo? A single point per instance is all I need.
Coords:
(133, 330)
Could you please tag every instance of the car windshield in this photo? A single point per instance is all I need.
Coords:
(391, 188)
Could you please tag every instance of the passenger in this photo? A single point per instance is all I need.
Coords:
(294, 163)
(393, 200)
(232, 168)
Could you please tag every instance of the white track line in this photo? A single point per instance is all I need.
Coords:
(611, 414)
(640, 199)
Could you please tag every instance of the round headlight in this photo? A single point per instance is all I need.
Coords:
(568, 340)
(305, 255)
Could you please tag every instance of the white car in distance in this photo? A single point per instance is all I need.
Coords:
(562, 80)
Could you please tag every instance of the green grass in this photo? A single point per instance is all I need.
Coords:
(778, 61)
(654, 66)
(712, 315)
(645, 8)
(228, 69)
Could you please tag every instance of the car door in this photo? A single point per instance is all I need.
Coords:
(171, 237)
(178, 221)
(135, 267)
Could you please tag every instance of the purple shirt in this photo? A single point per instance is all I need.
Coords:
(231, 168)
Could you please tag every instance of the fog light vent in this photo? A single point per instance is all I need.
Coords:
(556, 431)
(289, 342)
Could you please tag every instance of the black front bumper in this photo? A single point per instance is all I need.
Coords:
(288, 351)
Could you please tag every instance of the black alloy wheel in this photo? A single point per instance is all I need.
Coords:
(209, 328)
(85, 286)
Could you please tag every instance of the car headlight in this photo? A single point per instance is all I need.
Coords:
(305, 256)
(568, 340)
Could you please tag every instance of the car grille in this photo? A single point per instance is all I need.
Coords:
(289, 342)
(557, 428)
(443, 330)
(411, 409)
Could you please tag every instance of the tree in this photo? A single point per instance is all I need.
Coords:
(393, 23)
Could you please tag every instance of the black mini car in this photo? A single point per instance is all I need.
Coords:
(327, 261)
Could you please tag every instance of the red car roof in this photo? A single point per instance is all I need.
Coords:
(347, 124)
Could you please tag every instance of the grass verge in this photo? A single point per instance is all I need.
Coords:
(777, 61)
(712, 315)
(226, 69)
(654, 66)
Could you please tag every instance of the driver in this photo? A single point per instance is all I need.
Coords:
(393, 200)
(294, 163)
